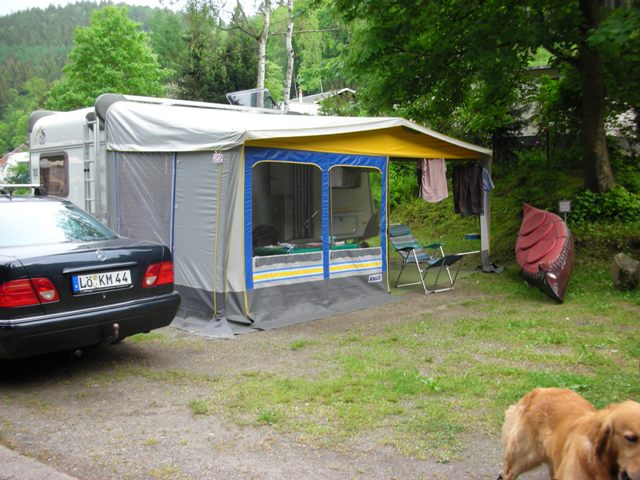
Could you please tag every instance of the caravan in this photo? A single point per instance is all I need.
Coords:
(273, 219)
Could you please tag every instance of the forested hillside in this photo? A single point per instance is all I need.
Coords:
(34, 47)
(35, 43)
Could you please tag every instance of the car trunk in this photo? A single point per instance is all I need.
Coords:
(90, 275)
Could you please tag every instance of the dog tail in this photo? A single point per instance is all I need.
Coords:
(511, 418)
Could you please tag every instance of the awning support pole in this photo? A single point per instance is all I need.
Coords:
(485, 222)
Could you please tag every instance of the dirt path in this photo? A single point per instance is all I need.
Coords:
(88, 421)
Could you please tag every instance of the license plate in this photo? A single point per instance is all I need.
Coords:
(101, 281)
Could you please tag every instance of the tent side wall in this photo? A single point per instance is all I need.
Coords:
(185, 200)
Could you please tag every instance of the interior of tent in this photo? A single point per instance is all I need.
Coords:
(301, 202)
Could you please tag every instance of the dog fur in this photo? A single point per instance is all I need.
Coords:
(577, 442)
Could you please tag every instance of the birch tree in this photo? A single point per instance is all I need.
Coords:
(290, 55)
(240, 21)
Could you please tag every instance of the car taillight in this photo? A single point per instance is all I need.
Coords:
(24, 292)
(46, 291)
(158, 274)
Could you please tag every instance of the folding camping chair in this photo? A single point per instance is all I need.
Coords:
(411, 251)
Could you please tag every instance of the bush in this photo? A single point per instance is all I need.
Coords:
(617, 205)
(626, 164)
(402, 183)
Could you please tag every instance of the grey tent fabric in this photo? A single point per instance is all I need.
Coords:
(208, 229)
(195, 234)
(144, 204)
(292, 304)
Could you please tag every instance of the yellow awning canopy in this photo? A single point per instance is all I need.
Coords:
(399, 142)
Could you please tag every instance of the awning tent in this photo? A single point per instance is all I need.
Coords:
(134, 127)
(273, 219)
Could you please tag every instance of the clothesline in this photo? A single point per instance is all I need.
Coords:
(468, 181)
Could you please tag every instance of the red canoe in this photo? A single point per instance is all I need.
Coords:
(544, 251)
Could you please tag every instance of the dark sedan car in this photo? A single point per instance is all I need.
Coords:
(67, 281)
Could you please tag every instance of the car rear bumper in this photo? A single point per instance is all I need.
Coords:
(50, 333)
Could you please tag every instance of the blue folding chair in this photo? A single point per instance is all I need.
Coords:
(412, 252)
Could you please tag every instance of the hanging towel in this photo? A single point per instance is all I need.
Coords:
(467, 190)
(433, 185)
(487, 183)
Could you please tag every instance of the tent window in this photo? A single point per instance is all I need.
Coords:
(286, 206)
(54, 174)
(355, 206)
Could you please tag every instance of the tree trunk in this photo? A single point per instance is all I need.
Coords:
(290, 54)
(262, 49)
(598, 173)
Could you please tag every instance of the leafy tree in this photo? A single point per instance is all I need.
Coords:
(463, 64)
(167, 37)
(202, 39)
(274, 81)
(239, 61)
(36, 42)
(321, 49)
(216, 61)
(618, 38)
(110, 55)
(318, 38)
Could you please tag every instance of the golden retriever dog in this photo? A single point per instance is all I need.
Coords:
(560, 428)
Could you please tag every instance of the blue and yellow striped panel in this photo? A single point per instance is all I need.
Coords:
(288, 274)
(354, 266)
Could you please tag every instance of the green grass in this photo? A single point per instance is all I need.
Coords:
(5, 426)
(151, 442)
(424, 381)
(200, 407)
(300, 344)
(427, 381)
(168, 472)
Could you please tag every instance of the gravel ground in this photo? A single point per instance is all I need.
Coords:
(62, 412)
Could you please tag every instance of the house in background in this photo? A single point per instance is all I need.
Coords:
(310, 104)
(19, 155)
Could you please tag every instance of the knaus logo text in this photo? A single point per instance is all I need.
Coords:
(375, 278)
